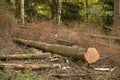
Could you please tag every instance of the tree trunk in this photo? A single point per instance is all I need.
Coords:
(53, 8)
(116, 32)
(25, 56)
(22, 12)
(86, 3)
(59, 11)
(116, 13)
(90, 55)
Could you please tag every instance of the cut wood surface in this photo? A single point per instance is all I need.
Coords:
(25, 56)
(31, 67)
(90, 55)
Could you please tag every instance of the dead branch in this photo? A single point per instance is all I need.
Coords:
(25, 56)
(68, 75)
(111, 28)
(30, 67)
(103, 36)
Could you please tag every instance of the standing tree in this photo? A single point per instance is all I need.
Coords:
(59, 11)
(86, 3)
(116, 13)
(53, 8)
(116, 31)
(22, 12)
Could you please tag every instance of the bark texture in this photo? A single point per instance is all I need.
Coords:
(22, 12)
(25, 56)
(32, 67)
(116, 13)
(90, 55)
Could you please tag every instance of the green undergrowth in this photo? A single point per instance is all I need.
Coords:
(18, 75)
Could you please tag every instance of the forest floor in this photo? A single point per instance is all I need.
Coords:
(70, 69)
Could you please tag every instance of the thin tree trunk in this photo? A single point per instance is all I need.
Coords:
(86, 3)
(52, 9)
(116, 13)
(22, 12)
(59, 11)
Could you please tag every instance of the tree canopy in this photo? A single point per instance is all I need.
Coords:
(98, 11)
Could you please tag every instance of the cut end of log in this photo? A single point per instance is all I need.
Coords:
(92, 55)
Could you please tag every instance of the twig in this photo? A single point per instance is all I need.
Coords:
(102, 69)
(111, 28)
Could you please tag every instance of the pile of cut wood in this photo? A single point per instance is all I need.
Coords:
(89, 55)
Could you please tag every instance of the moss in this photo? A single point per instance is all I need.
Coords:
(55, 48)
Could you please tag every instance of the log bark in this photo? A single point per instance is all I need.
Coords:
(31, 67)
(90, 55)
(25, 56)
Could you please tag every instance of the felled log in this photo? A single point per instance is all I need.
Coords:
(25, 56)
(31, 67)
(90, 55)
